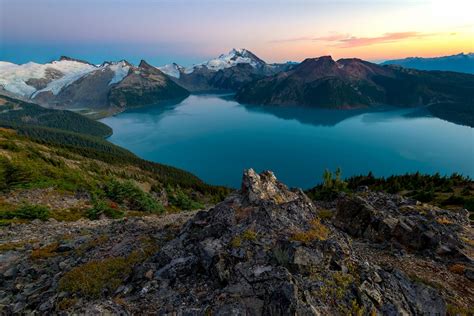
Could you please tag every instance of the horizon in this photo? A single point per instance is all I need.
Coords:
(137, 60)
(152, 30)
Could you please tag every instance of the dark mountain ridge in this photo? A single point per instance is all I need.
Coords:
(354, 83)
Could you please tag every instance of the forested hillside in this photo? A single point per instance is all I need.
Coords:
(14, 112)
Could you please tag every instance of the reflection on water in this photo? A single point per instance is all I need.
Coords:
(216, 138)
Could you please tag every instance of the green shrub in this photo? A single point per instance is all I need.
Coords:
(424, 196)
(103, 208)
(27, 211)
(454, 200)
(181, 200)
(132, 196)
(330, 188)
(13, 174)
(281, 256)
(469, 205)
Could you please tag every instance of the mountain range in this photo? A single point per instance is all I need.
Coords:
(112, 86)
(74, 84)
(89, 228)
(321, 82)
(459, 63)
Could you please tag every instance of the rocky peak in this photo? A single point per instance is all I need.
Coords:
(265, 187)
(122, 62)
(66, 58)
(246, 54)
(143, 64)
(314, 68)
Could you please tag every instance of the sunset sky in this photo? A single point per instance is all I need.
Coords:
(190, 31)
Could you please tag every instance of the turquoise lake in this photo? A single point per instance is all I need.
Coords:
(216, 138)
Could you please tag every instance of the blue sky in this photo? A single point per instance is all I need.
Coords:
(189, 31)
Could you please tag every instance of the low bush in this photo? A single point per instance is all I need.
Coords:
(27, 211)
(98, 276)
(454, 200)
(181, 200)
(104, 208)
(45, 252)
(132, 196)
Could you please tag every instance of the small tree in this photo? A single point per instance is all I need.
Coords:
(327, 179)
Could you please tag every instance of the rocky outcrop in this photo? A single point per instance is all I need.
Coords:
(421, 228)
(265, 251)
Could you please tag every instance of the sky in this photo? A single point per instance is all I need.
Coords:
(191, 31)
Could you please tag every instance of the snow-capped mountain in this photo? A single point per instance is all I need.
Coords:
(70, 83)
(227, 72)
(231, 59)
(32, 79)
(173, 70)
(28, 79)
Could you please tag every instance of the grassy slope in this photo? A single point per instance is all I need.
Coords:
(48, 156)
(28, 164)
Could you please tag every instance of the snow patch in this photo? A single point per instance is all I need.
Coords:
(172, 70)
(13, 77)
(72, 70)
(121, 71)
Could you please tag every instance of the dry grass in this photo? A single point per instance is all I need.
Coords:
(98, 276)
(443, 221)
(45, 252)
(242, 213)
(318, 231)
(457, 268)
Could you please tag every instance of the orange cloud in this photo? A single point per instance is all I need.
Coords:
(385, 38)
(349, 41)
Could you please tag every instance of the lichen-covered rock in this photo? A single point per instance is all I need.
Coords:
(263, 251)
(420, 228)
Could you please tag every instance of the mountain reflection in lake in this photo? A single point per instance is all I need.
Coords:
(216, 138)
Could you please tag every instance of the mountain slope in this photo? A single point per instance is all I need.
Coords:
(460, 63)
(90, 91)
(352, 83)
(145, 85)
